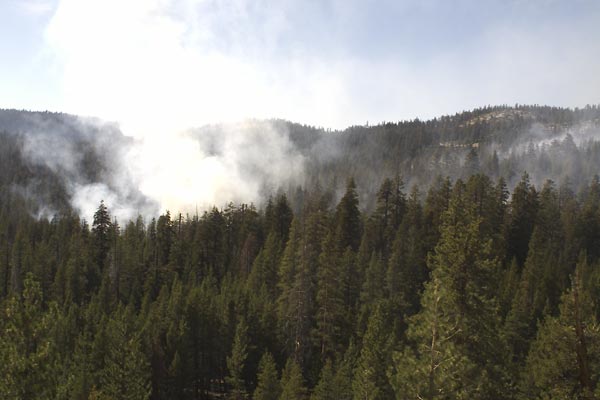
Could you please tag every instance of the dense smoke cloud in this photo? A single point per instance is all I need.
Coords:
(238, 162)
(90, 157)
(185, 172)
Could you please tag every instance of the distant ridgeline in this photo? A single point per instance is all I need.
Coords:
(547, 142)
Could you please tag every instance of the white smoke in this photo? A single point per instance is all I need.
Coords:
(159, 67)
(146, 65)
(183, 171)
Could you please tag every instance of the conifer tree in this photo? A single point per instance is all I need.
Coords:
(126, 372)
(281, 219)
(523, 211)
(436, 203)
(326, 389)
(297, 300)
(236, 361)
(389, 210)
(435, 367)
(407, 270)
(541, 280)
(292, 382)
(455, 335)
(348, 219)
(27, 351)
(370, 376)
(268, 386)
(565, 356)
(330, 300)
(266, 264)
(101, 234)
(334, 383)
(344, 373)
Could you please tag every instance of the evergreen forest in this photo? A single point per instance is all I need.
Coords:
(466, 271)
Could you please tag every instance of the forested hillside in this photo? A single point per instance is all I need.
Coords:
(53, 158)
(479, 282)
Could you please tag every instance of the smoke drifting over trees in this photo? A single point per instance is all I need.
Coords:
(89, 160)
(344, 277)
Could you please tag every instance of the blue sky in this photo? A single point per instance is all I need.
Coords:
(164, 64)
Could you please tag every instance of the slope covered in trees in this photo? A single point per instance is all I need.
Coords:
(49, 157)
(418, 299)
(456, 288)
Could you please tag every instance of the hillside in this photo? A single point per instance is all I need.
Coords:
(56, 159)
(463, 286)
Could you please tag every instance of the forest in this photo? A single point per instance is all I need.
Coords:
(474, 284)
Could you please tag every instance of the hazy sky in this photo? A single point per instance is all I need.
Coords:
(164, 64)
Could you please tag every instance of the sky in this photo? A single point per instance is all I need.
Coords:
(160, 65)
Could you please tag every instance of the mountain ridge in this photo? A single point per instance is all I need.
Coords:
(501, 141)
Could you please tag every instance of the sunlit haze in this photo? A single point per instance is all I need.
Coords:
(158, 67)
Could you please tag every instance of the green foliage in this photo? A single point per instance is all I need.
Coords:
(126, 371)
(370, 379)
(433, 298)
(292, 382)
(327, 388)
(27, 353)
(348, 219)
(268, 387)
(236, 361)
(433, 366)
(454, 345)
(330, 313)
(565, 356)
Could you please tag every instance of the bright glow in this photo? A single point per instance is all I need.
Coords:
(159, 67)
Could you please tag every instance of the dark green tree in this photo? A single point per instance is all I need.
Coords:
(565, 356)
(126, 371)
(27, 350)
(347, 219)
(522, 215)
(330, 313)
(101, 234)
(268, 386)
(370, 375)
(292, 382)
(236, 361)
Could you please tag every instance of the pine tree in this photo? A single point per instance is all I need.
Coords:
(435, 368)
(330, 314)
(326, 389)
(296, 305)
(266, 264)
(236, 361)
(523, 210)
(101, 234)
(20, 262)
(126, 372)
(344, 373)
(389, 210)
(471, 165)
(565, 356)
(281, 219)
(435, 205)
(455, 342)
(292, 382)
(27, 350)
(348, 219)
(407, 270)
(541, 280)
(373, 290)
(370, 375)
(588, 225)
(268, 387)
